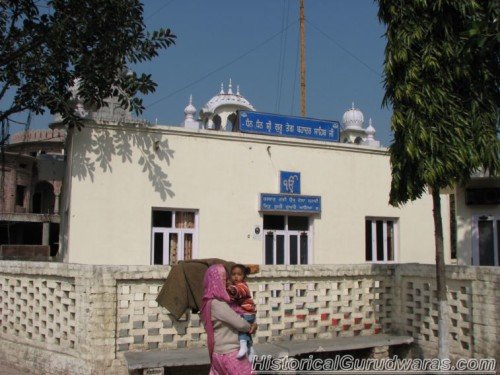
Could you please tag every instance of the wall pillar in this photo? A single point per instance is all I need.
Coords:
(56, 204)
(45, 233)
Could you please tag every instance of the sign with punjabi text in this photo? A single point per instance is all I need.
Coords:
(288, 126)
(290, 203)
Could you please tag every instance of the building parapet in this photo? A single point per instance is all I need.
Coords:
(236, 136)
(84, 318)
(54, 135)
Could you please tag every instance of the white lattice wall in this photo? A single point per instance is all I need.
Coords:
(473, 305)
(39, 311)
(291, 309)
(143, 325)
(420, 313)
(288, 309)
(79, 319)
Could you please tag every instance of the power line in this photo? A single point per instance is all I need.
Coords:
(378, 74)
(205, 76)
(157, 10)
(18, 122)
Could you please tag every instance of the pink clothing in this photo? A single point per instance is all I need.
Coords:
(214, 287)
(228, 364)
(236, 307)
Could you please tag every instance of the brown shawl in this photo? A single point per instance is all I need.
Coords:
(183, 288)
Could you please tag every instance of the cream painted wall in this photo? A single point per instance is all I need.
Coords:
(221, 175)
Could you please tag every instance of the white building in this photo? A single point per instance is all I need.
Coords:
(141, 194)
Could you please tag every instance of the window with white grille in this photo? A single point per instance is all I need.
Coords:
(381, 240)
(174, 235)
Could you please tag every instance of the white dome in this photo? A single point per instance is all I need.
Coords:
(353, 118)
(228, 98)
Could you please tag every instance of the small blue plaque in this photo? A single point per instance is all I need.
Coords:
(289, 182)
(290, 203)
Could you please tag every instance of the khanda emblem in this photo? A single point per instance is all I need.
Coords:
(289, 183)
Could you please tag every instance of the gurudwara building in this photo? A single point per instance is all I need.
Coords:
(236, 184)
(233, 183)
(246, 186)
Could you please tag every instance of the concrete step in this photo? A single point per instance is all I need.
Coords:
(199, 356)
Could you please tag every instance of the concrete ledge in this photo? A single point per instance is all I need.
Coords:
(167, 358)
(338, 344)
(30, 218)
(199, 356)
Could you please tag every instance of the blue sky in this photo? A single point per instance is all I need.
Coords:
(222, 39)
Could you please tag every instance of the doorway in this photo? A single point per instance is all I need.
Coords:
(287, 239)
(43, 198)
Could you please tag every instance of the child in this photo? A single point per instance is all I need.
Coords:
(241, 297)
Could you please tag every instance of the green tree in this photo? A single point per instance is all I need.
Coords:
(442, 83)
(46, 46)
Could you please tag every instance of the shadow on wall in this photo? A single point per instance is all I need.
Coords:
(99, 148)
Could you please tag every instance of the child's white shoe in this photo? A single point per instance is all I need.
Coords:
(251, 353)
(243, 349)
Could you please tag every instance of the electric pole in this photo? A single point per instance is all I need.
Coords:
(302, 60)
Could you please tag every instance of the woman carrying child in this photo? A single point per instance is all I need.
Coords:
(222, 325)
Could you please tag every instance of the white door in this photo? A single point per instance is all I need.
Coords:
(298, 245)
(286, 247)
(274, 247)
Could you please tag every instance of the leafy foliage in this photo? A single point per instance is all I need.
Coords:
(46, 47)
(441, 78)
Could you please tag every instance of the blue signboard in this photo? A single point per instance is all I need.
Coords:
(288, 126)
(290, 203)
(289, 182)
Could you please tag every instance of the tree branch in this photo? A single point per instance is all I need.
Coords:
(14, 109)
(15, 15)
(21, 51)
(4, 90)
(4, 140)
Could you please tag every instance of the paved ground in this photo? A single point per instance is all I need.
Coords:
(6, 370)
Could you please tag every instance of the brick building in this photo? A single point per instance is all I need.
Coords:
(30, 186)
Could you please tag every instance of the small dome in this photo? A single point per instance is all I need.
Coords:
(370, 130)
(229, 98)
(190, 110)
(353, 118)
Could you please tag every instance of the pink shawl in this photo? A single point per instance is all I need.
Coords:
(214, 287)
